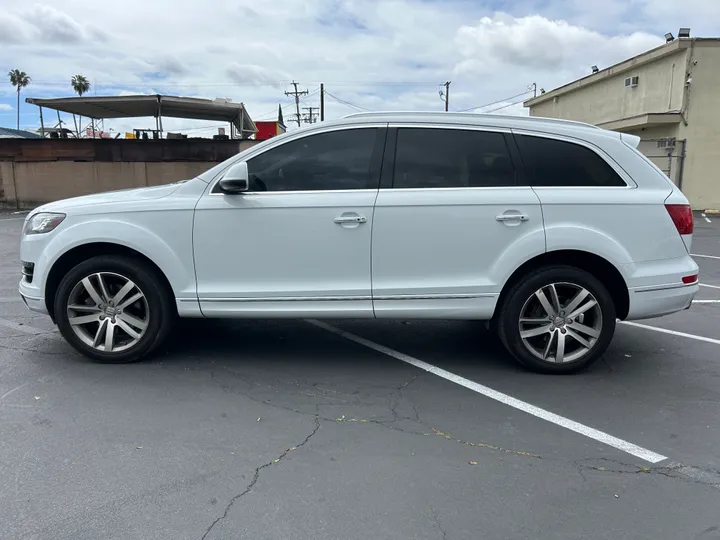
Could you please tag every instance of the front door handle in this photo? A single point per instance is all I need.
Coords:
(512, 217)
(350, 219)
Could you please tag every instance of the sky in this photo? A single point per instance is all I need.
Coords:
(371, 54)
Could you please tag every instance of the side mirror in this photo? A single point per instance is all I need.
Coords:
(236, 180)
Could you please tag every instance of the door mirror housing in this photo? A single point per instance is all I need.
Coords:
(236, 179)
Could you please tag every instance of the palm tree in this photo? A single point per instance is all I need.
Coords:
(81, 86)
(18, 79)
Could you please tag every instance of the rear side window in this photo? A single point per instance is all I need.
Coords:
(549, 162)
(450, 158)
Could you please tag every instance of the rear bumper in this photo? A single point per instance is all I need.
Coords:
(645, 304)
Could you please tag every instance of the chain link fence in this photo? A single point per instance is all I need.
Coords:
(668, 154)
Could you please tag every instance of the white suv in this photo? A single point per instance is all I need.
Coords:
(550, 230)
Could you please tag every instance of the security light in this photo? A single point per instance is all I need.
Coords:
(595, 69)
(684, 33)
(669, 37)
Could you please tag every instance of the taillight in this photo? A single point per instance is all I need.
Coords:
(690, 279)
(682, 217)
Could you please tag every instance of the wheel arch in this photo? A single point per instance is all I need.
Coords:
(594, 264)
(80, 253)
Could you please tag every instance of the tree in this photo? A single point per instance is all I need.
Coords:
(19, 79)
(81, 86)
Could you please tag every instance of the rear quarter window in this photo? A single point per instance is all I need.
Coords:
(555, 163)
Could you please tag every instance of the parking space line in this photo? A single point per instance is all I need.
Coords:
(710, 286)
(706, 301)
(671, 332)
(705, 256)
(582, 429)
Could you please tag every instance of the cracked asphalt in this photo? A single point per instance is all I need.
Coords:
(280, 429)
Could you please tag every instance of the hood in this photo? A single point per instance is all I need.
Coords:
(109, 197)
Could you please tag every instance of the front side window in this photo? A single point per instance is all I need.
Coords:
(333, 160)
(451, 158)
(550, 162)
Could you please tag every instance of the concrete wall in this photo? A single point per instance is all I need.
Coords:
(29, 184)
(702, 165)
(660, 89)
(32, 174)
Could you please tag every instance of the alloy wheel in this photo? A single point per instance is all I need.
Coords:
(108, 312)
(561, 322)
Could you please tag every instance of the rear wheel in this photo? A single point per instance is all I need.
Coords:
(113, 309)
(557, 320)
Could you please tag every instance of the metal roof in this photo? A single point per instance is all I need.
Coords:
(151, 105)
(9, 133)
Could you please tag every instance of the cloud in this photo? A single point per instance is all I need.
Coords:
(43, 23)
(374, 54)
(256, 75)
(6, 107)
(535, 42)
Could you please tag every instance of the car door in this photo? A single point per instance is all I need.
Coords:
(297, 243)
(453, 220)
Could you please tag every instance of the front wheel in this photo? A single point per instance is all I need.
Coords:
(113, 309)
(557, 320)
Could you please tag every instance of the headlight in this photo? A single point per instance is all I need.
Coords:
(43, 222)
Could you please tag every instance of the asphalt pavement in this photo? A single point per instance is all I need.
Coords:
(360, 429)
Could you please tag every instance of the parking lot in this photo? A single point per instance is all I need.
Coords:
(360, 429)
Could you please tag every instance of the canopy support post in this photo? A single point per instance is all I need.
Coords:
(92, 123)
(42, 125)
(159, 116)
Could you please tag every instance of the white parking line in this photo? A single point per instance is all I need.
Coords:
(706, 301)
(705, 256)
(548, 416)
(671, 332)
(710, 286)
(706, 218)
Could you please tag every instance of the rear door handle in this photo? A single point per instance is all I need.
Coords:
(351, 219)
(512, 217)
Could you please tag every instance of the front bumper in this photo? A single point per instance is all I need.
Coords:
(33, 297)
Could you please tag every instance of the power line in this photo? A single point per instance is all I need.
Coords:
(505, 106)
(503, 100)
(356, 107)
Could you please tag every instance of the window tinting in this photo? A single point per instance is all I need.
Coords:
(334, 160)
(549, 162)
(441, 158)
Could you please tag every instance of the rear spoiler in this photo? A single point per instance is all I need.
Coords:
(630, 140)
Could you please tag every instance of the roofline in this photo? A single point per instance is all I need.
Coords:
(646, 57)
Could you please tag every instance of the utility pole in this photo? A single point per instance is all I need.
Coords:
(534, 89)
(322, 102)
(446, 94)
(297, 95)
(310, 118)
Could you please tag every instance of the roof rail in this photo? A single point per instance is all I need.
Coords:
(458, 115)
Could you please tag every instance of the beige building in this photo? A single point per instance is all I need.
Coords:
(670, 97)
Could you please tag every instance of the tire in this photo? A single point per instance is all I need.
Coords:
(526, 328)
(104, 287)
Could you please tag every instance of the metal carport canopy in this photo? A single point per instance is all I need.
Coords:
(151, 105)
